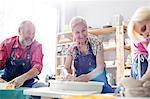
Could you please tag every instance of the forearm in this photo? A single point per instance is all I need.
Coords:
(3, 55)
(1, 64)
(3, 58)
(30, 74)
(87, 77)
(69, 70)
(68, 64)
(97, 71)
(99, 65)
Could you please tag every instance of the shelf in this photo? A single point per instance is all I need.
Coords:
(102, 31)
(97, 31)
(63, 42)
(127, 47)
(106, 67)
(112, 48)
(62, 56)
(112, 66)
(105, 49)
(59, 77)
(64, 33)
(60, 66)
(67, 43)
(127, 66)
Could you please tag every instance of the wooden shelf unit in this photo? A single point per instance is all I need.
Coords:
(119, 47)
(94, 31)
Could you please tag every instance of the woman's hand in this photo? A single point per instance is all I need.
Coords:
(69, 77)
(145, 78)
(82, 78)
(17, 82)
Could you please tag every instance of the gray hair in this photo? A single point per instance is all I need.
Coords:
(25, 22)
(76, 20)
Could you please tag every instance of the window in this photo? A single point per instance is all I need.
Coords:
(43, 15)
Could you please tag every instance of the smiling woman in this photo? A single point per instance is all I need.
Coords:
(43, 15)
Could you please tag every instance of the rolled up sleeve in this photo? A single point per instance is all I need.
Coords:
(70, 51)
(37, 58)
(99, 45)
(96, 43)
(3, 54)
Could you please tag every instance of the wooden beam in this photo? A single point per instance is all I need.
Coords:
(93, 31)
(102, 31)
(120, 52)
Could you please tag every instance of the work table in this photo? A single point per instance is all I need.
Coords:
(47, 93)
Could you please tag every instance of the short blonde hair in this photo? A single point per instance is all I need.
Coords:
(76, 20)
(141, 14)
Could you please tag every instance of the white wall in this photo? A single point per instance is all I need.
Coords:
(100, 12)
(67, 11)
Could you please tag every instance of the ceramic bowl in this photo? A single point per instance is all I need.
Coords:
(76, 86)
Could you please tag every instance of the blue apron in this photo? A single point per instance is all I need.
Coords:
(16, 67)
(86, 63)
(144, 65)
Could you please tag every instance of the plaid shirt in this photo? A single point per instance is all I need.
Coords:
(13, 42)
(95, 42)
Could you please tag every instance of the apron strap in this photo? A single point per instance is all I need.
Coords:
(141, 58)
(139, 66)
(12, 53)
(28, 57)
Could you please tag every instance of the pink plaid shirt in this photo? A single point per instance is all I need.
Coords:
(13, 42)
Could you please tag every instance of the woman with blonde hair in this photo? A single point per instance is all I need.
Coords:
(139, 33)
(87, 56)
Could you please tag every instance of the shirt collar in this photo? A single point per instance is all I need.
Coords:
(17, 43)
(88, 47)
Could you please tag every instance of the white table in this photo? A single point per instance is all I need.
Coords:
(47, 93)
